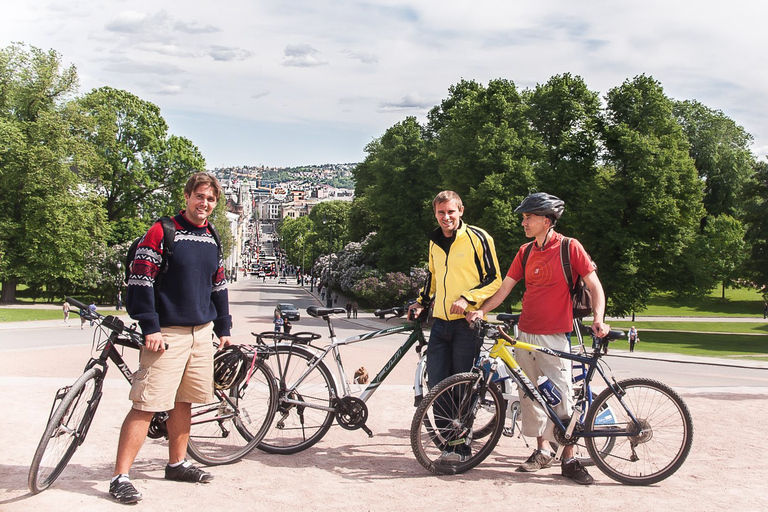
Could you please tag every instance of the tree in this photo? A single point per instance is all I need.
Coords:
(47, 223)
(134, 165)
(650, 196)
(719, 148)
(756, 192)
(396, 190)
(485, 150)
(566, 116)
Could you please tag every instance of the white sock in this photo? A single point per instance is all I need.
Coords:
(182, 462)
(121, 476)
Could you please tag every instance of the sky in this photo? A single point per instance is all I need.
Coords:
(300, 82)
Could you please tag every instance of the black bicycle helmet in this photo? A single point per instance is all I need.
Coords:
(229, 367)
(542, 204)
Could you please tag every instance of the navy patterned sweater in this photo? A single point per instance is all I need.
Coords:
(194, 289)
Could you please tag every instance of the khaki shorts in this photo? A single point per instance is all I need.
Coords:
(183, 373)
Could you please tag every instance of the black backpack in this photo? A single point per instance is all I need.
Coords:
(580, 294)
(169, 235)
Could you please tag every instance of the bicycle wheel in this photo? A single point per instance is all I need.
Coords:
(66, 430)
(225, 431)
(661, 446)
(297, 426)
(445, 419)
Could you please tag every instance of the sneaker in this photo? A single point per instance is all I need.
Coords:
(538, 460)
(186, 472)
(574, 470)
(123, 491)
(449, 458)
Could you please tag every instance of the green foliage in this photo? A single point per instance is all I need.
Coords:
(395, 162)
(46, 223)
(134, 165)
(756, 207)
(650, 198)
(720, 149)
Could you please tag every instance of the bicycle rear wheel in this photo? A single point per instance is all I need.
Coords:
(445, 419)
(304, 410)
(225, 431)
(662, 445)
(66, 430)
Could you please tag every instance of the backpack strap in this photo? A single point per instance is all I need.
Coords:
(169, 238)
(525, 256)
(565, 261)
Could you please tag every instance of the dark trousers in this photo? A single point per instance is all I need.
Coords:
(453, 347)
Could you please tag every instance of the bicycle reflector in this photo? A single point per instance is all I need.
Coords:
(229, 367)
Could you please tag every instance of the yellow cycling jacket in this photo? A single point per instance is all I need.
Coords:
(469, 270)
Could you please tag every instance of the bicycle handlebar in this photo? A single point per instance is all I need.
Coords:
(112, 323)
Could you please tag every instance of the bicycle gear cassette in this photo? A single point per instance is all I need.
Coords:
(352, 413)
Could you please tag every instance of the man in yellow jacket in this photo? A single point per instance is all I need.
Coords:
(463, 272)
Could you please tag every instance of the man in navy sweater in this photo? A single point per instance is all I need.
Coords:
(189, 306)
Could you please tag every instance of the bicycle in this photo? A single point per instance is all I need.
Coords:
(310, 395)
(210, 442)
(651, 426)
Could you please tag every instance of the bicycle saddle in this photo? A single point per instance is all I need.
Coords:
(320, 312)
(508, 318)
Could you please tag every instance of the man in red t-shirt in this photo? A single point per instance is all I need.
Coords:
(546, 319)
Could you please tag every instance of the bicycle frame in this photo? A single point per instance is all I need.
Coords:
(500, 350)
(417, 336)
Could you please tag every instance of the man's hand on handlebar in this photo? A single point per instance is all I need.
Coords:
(473, 316)
(414, 310)
(600, 329)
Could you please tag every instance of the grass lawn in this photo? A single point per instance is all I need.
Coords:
(737, 302)
(701, 344)
(30, 314)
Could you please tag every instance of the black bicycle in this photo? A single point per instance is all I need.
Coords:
(222, 431)
(648, 424)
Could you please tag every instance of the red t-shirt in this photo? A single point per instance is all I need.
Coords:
(547, 305)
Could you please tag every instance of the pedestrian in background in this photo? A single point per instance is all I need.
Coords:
(65, 309)
(633, 338)
(348, 307)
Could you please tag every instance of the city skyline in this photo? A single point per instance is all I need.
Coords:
(306, 82)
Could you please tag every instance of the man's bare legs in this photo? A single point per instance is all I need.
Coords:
(132, 435)
(179, 420)
(134, 432)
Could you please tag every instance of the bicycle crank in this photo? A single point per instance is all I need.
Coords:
(352, 413)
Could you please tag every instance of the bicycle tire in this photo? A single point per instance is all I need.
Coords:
(227, 430)
(481, 431)
(297, 427)
(456, 403)
(66, 430)
(664, 443)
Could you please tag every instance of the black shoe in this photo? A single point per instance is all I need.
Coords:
(186, 472)
(123, 491)
(574, 470)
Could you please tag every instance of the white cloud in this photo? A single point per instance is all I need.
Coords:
(302, 56)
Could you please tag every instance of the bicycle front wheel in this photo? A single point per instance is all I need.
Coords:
(66, 430)
(442, 432)
(662, 443)
(304, 409)
(225, 431)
